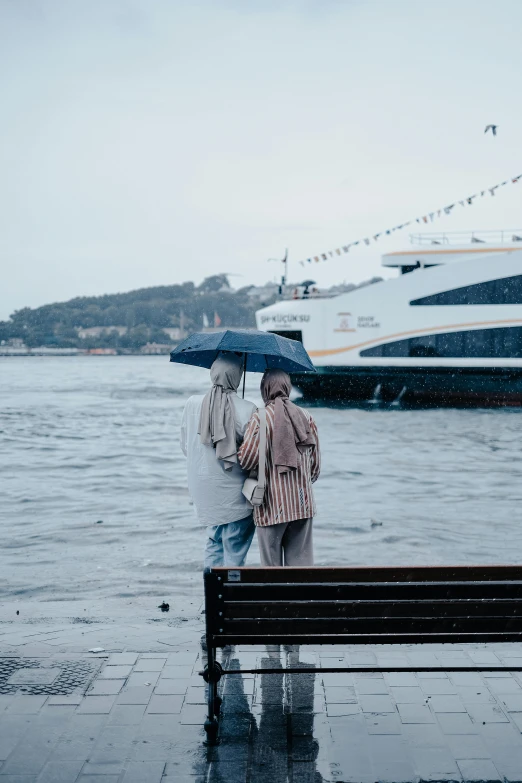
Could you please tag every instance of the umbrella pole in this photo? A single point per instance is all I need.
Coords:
(244, 375)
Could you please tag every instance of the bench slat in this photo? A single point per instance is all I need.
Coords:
(375, 625)
(347, 639)
(442, 608)
(357, 591)
(462, 573)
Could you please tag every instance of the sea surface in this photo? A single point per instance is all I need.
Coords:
(94, 502)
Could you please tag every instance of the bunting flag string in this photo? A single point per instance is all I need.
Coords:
(429, 217)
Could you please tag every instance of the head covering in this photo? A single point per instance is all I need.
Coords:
(217, 424)
(291, 427)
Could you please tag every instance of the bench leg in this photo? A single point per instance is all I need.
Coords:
(213, 672)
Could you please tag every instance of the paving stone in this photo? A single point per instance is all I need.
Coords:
(432, 675)
(122, 659)
(376, 704)
(113, 746)
(512, 701)
(340, 695)
(404, 695)
(176, 672)
(438, 687)
(105, 687)
(516, 717)
(446, 704)
(193, 695)
(138, 695)
(415, 713)
(165, 704)
(174, 687)
(96, 705)
(126, 714)
(467, 678)
(26, 705)
(478, 771)
(103, 768)
(467, 746)
(18, 779)
(115, 672)
(424, 735)
(487, 713)
(139, 679)
(149, 665)
(402, 679)
(475, 693)
(72, 699)
(338, 710)
(388, 723)
(332, 679)
(143, 772)
(371, 686)
(503, 685)
(484, 656)
(435, 764)
(98, 779)
(456, 723)
(60, 771)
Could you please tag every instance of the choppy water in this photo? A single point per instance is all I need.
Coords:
(96, 438)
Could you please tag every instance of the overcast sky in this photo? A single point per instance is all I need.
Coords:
(147, 142)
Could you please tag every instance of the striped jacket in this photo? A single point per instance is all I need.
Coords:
(288, 496)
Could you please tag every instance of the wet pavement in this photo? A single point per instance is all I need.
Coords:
(133, 711)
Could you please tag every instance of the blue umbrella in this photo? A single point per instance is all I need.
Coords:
(261, 350)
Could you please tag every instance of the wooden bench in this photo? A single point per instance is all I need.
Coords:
(392, 605)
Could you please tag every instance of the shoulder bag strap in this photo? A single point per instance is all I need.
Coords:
(261, 478)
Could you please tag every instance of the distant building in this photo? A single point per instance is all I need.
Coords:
(155, 349)
(174, 333)
(96, 331)
(263, 293)
(101, 352)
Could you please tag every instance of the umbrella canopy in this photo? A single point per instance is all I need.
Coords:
(263, 350)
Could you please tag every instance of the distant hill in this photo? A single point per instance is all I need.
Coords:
(128, 322)
(143, 313)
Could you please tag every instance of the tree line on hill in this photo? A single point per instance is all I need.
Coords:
(144, 313)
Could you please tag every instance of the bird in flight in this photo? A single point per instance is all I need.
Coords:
(493, 129)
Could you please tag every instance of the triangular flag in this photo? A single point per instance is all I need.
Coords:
(366, 241)
(316, 258)
(309, 260)
(338, 251)
(324, 256)
(346, 248)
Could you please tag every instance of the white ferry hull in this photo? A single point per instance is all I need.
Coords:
(449, 332)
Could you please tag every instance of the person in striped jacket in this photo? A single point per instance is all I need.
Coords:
(293, 463)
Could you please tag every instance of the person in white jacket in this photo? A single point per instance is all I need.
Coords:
(212, 429)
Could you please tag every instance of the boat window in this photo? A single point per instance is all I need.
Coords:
(296, 335)
(507, 290)
(471, 344)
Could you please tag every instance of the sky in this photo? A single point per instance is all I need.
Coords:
(150, 142)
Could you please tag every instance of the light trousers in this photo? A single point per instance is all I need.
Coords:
(228, 545)
(288, 541)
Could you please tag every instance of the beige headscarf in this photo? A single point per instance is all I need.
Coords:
(291, 427)
(217, 425)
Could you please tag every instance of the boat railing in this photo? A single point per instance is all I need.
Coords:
(507, 236)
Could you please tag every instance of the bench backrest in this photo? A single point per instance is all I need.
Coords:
(363, 605)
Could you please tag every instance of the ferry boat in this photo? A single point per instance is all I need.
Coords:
(447, 329)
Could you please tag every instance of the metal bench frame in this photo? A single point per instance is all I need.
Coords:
(359, 605)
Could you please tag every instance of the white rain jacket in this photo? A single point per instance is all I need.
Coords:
(215, 492)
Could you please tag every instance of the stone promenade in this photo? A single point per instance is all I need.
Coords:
(92, 700)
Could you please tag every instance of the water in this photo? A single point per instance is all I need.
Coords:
(92, 439)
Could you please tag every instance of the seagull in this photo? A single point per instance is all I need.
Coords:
(493, 129)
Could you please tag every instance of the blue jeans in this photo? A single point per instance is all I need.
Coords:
(228, 545)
